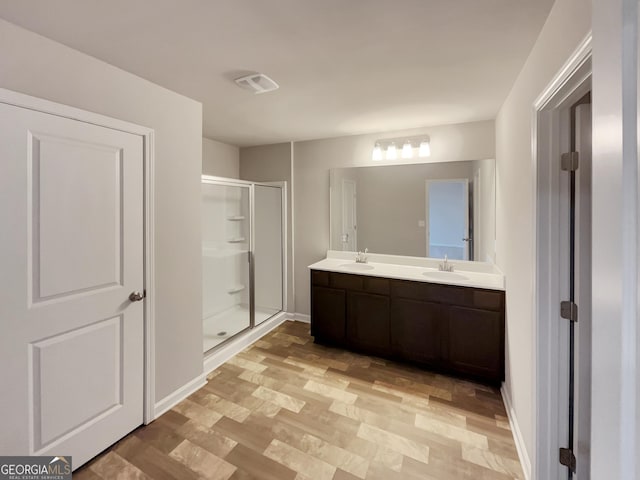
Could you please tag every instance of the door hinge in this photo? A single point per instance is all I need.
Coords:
(569, 161)
(569, 310)
(568, 459)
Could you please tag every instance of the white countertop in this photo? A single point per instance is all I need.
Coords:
(466, 274)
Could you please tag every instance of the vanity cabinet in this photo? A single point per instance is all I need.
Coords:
(447, 328)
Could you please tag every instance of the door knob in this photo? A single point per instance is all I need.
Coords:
(466, 239)
(136, 296)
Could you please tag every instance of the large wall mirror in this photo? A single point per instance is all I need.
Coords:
(420, 210)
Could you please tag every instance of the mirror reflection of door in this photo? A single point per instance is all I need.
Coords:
(448, 218)
(349, 219)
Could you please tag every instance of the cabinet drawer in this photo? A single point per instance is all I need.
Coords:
(488, 299)
(376, 285)
(449, 294)
(318, 277)
(472, 297)
(416, 290)
(346, 281)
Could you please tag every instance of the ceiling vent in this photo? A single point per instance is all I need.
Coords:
(257, 83)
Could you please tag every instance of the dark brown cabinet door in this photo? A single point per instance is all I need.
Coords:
(475, 342)
(368, 322)
(328, 312)
(416, 331)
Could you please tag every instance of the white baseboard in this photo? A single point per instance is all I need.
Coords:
(224, 353)
(302, 317)
(171, 400)
(517, 434)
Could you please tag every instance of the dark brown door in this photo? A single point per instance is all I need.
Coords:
(475, 342)
(368, 322)
(416, 331)
(328, 311)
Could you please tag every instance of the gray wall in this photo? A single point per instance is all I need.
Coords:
(220, 159)
(272, 163)
(313, 160)
(568, 24)
(34, 65)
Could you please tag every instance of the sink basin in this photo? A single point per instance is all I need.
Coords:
(356, 266)
(445, 275)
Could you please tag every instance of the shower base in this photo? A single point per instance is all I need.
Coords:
(224, 325)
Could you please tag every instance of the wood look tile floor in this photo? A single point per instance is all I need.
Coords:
(288, 409)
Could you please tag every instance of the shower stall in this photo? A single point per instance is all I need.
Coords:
(243, 256)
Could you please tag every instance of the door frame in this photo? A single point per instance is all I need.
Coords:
(16, 99)
(548, 138)
(426, 211)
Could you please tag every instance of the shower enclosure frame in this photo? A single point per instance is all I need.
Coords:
(282, 185)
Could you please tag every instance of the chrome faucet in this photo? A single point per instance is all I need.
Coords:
(361, 257)
(445, 266)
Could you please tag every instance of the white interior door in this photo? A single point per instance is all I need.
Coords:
(447, 207)
(349, 216)
(71, 237)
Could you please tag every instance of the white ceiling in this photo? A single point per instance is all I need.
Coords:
(344, 66)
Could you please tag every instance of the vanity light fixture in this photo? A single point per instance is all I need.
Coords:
(412, 147)
(407, 150)
(392, 151)
(425, 149)
(377, 153)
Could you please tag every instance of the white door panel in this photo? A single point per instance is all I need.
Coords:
(94, 386)
(66, 262)
(71, 352)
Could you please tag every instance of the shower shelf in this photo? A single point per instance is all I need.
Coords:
(236, 289)
(235, 218)
(236, 240)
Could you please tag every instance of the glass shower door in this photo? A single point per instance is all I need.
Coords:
(268, 252)
(225, 261)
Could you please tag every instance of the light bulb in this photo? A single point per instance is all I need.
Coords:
(425, 149)
(407, 150)
(377, 153)
(392, 152)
